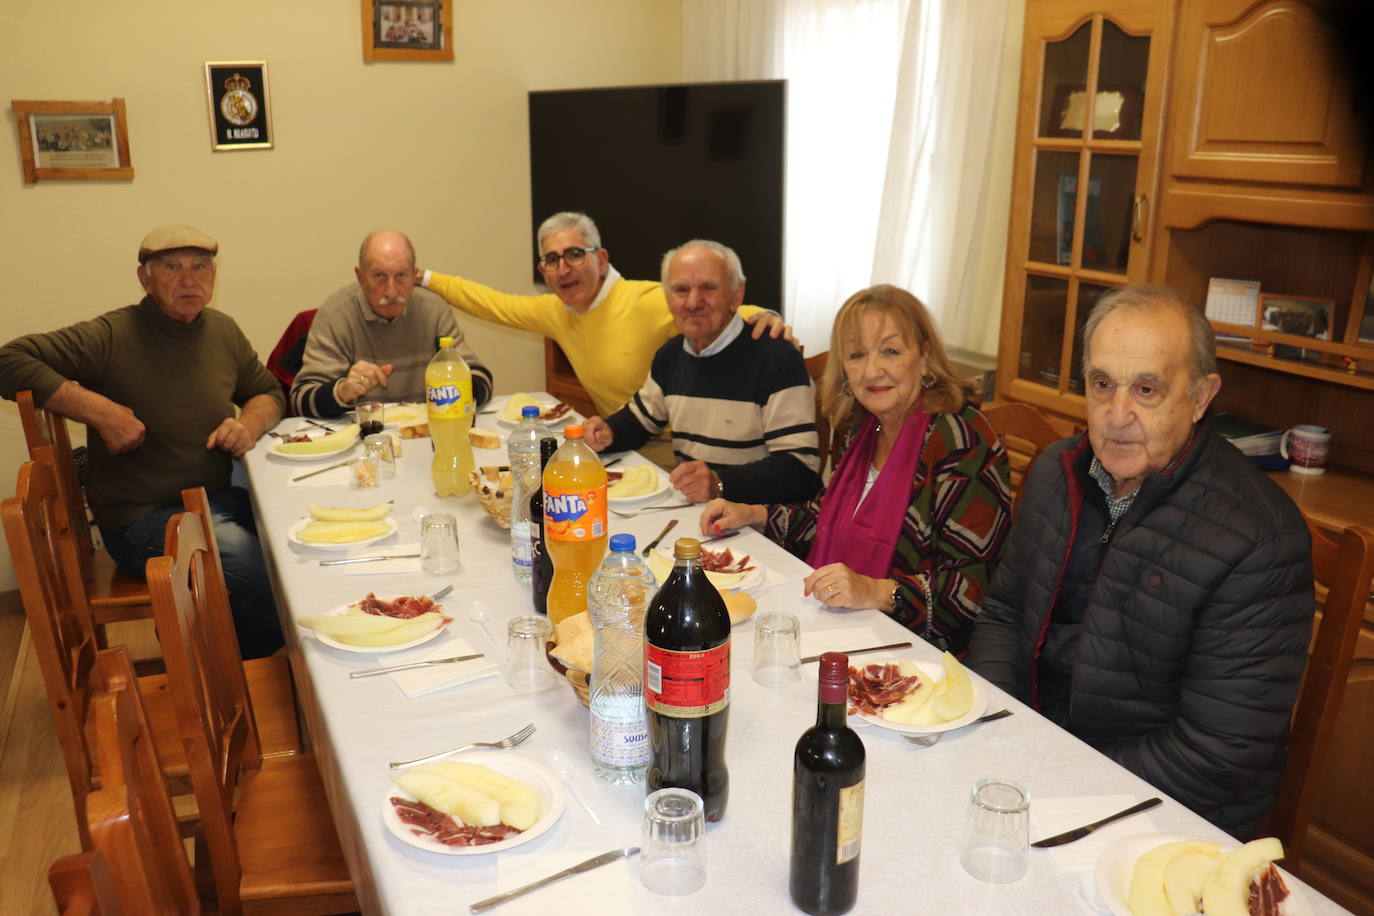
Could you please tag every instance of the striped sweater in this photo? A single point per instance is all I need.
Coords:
(956, 520)
(748, 411)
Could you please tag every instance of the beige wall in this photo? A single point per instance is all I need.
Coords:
(435, 149)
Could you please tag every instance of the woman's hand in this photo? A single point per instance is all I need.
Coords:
(839, 586)
(720, 516)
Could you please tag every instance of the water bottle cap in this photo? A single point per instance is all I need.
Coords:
(622, 543)
(529, 411)
(445, 342)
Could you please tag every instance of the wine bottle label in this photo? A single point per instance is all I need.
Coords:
(849, 828)
(687, 685)
(575, 515)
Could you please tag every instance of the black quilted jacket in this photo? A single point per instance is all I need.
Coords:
(1196, 630)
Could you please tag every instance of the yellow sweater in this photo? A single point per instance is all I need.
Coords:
(610, 347)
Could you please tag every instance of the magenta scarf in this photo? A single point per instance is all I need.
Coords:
(865, 540)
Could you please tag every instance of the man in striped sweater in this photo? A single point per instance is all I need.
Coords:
(742, 411)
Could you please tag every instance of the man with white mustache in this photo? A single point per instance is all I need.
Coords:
(372, 339)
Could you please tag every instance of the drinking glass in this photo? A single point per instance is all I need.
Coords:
(527, 664)
(363, 472)
(672, 859)
(371, 417)
(996, 841)
(439, 543)
(378, 446)
(777, 649)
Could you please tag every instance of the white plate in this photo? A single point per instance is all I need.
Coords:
(934, 671)
(374, 650)
(571, 416)
(313, 456)
(547, 789)
(301, 523)
(661, 563)
(398, 414)
(664, 487)
(1117, 861)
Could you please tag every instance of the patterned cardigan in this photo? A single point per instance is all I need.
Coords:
(956, 520)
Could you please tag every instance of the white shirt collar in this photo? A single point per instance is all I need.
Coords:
(727, 337)
(612, 277)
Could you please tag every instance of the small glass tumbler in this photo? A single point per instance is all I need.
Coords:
(996, 839)
(378, 446)
(438, 543)
(527, 664)
(672, 860)
(371, 417)
(363, 472)
(777, 649)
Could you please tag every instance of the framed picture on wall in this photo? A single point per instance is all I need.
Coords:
(1304, 316)
(239, 103)
(407, 29)
(73, 140)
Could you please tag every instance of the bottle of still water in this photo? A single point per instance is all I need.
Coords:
(523, 448)
(617, 597)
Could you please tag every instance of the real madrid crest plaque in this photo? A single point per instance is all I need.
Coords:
(240, 111)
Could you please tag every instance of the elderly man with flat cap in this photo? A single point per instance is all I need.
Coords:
(170, 392)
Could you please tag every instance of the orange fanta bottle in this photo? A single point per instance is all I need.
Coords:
(575, 529)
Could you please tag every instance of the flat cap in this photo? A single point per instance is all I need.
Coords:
(166, 238)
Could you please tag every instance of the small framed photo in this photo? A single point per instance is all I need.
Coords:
(73, 140)
(1304, 316)
(239, 103)
(407, 30)
(1116, 113)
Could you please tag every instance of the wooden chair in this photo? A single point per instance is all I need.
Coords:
(82, 886)
(114, 595)
(1025, 432)
(275, 849)
(1345, 567)
(815, 367)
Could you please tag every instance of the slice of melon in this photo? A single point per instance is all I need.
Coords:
(1227, 889)
(474, 808)
(640, 480)
(336, 441)
(913, 704)
(1183, 880)
(315, 532)
(957, 697)
(405, 632)
(345, 514)
(519, 805)
(337, 625)
(1146, 896)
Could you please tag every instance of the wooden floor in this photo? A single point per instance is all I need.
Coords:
(35, 799)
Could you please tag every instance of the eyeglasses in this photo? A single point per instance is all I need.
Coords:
(574, 257)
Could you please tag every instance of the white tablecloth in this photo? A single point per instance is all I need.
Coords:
(915, 798)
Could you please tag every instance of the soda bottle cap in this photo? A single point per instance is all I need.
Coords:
(622, 543)
(528, 411)
(572, 431)
(835, 667)
(445, 341)
(686, 548)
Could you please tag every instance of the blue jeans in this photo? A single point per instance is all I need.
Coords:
(245, 572)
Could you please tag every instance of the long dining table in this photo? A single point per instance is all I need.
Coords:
(916, 797)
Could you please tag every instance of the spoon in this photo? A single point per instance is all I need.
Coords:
(479, 613)
(558, 762)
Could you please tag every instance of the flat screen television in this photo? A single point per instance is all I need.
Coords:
(658, 165)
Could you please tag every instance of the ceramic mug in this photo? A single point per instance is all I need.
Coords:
(1306, 447)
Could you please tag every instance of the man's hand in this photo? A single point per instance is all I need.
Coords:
(773, 324)
(121, 429)
(362, 377)
(232, 436)
(596, 432)
(695, 480)
(118, 426)
(721, 516)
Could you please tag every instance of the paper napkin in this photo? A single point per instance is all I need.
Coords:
(814, 642)
(1050, 816)
(383, 567)
(418, 682)
(608, 885)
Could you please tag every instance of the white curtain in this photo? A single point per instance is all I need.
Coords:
(891, 106)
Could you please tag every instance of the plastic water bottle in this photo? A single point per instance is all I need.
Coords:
(448, 389)
(523, 448)
(617, 598)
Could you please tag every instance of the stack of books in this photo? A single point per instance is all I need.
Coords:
(1258, 441)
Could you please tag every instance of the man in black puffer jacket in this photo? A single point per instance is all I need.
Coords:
(1155, 594)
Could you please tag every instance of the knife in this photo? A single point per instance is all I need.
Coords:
(424, 664)
(1059, 839)
(385, 556)
(594, 862)
(891, 645)
(327, 467)
(661, 535)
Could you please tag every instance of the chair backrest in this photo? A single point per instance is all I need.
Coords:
(132, 821)
(1025, 432)
(210, 693)
(815, 367)
(285, 359)
(82, 886)
(1345, 567)
(45, 428)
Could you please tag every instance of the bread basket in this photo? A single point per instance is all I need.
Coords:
(579, 681)
(493, 486)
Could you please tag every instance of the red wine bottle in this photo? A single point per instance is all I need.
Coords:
(541, 565)
(687, 682)
(827, 801)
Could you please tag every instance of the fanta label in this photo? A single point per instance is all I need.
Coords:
(448, 401)
(575, 515)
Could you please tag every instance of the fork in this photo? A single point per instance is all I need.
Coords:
(511, 741)
(634, 512)
(932, 740)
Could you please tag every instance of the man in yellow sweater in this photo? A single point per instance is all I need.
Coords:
(608, 326)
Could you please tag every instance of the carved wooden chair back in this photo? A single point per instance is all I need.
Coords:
(815, 367)
(82, 886)
(1025, 432)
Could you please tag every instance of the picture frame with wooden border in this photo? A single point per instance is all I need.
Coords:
(407, 30)
(239, 104)
(73, 140)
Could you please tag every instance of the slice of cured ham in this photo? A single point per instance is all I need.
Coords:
(444, 828)
(873, 688)
(723, 561)
(403, 608)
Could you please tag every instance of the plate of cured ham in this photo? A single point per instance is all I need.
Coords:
(398, 607)
(725, 567)
(877, 686)
(419, 825)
